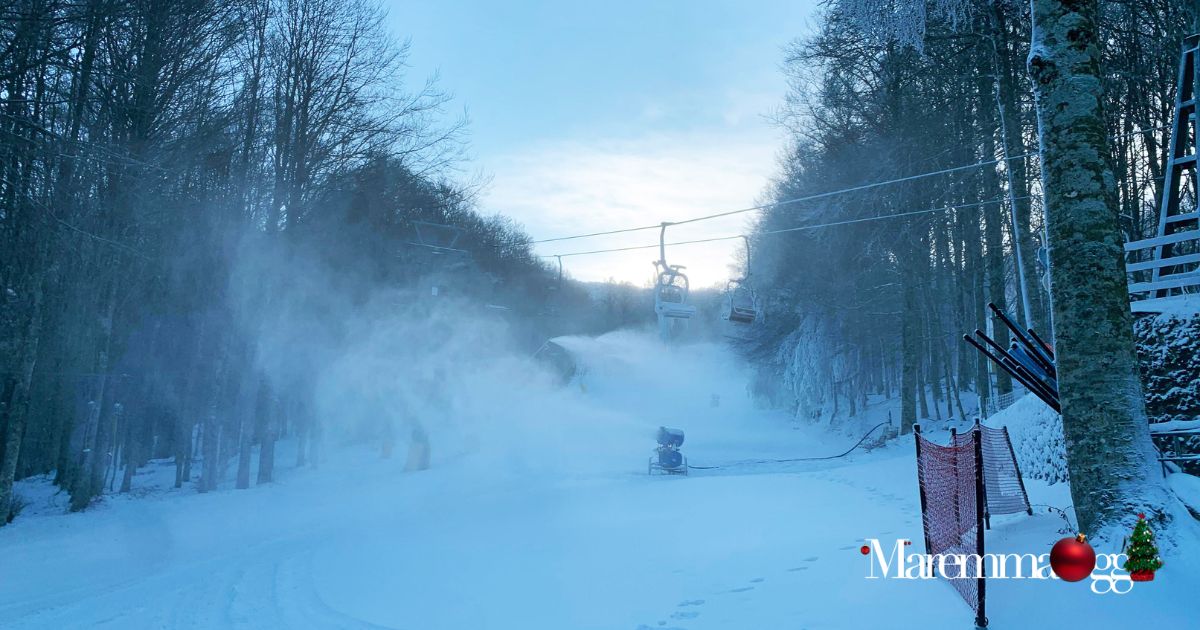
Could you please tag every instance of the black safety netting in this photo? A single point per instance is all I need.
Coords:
(1001, 478)
(947, 476)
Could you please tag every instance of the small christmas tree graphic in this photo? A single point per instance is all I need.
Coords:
(1143, 554)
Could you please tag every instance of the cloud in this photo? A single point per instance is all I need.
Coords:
(575, 186)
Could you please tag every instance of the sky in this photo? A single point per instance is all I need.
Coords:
(596, 116)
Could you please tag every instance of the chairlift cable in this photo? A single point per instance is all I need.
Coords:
(775, 204)
(786, 230)
(825, 195)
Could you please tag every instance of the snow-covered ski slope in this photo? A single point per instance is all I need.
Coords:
(538, 514)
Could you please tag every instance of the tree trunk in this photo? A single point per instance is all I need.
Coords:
(210, 476)
(89, 480)
(267, 433)
(248, 409)
(910, 349)
(314, 442)
(18, 402)
(993, 233)
(133, 450)
(1110, 459)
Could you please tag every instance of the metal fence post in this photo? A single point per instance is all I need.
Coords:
(981, 495)
(921, 487)
(981, 620)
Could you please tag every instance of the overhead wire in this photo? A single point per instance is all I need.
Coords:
(780, 203)
(799, 228)
(812, 197)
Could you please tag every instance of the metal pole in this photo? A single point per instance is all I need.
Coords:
(921, 486)
(1049, 279)
(982, 489)
(1020, 374)
(1012, 208)
(981, 620)
(1021, 335)
(1012, 201)
(662, 245)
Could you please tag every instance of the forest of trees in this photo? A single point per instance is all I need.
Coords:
(873, 100)
(189, 187)
(178, 181)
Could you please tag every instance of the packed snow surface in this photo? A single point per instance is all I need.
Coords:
(538, 514)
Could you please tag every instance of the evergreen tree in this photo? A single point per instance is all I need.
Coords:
(1142, 552)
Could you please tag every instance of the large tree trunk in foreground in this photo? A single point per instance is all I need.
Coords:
(1109, 455)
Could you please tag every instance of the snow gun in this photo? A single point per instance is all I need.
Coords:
(667, 459)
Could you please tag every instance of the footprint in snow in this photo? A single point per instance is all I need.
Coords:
(814, 558)
(757, 580)
(685, 615)
(691, 602)
(798, 569)
(740, 590)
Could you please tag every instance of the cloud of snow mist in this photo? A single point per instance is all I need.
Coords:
(488, 406)
(361, 362)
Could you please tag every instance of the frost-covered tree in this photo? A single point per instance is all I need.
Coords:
(146, 310)
(964, 64)
(1109, 454)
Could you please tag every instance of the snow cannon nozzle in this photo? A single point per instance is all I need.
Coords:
(670, 437)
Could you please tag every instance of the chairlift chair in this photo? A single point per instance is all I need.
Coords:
(438, 238)
(671, 290)
(444, 262)
(741, 305)
(671, 293)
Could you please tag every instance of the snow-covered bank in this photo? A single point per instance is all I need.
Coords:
(1037, 438)
(556, 528)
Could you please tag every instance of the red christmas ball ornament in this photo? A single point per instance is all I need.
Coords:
(1072, 558)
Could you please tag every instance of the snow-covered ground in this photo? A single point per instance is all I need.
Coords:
(538, 514)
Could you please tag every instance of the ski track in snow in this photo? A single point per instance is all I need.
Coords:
(539, 545)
